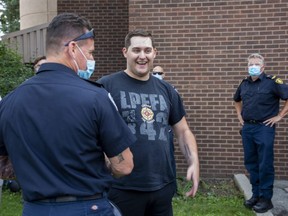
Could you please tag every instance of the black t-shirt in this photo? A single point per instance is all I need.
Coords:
(148, 108)
(55, 127)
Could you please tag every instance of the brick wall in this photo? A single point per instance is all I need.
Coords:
(110, 21)
(203, 46)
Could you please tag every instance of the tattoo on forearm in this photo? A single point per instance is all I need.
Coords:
(120, 158)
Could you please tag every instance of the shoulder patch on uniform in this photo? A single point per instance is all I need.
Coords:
(275, 78)
(279, 81)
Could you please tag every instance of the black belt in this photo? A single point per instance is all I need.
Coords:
(253, 122)
(71, 198)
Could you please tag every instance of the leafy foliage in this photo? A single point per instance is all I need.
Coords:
(10, 16)
(12, 71)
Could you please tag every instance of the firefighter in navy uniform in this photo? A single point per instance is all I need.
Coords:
(257, 105)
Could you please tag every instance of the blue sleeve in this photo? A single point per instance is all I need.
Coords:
(237, 96)
(282, 90)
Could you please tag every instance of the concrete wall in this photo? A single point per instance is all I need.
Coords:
(29, 42)
(36, 12)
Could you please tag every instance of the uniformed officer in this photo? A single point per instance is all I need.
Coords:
(56, 128)
(257, 105)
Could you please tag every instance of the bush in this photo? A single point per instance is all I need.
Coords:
(12, 71)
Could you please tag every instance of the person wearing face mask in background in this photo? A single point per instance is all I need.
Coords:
(257, 105)
(158, 72)
(56, 129)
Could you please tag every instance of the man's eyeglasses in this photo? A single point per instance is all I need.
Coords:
(89, 34)
(155, 72)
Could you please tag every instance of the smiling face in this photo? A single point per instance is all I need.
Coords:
(140, 56)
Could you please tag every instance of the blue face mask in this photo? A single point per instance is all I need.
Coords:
(86, 74)
(254, 70)
(157, 76)
(90, 67)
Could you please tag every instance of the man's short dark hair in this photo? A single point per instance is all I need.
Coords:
(135, 33)
(63, 28)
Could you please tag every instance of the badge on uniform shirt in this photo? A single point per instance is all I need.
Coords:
(279, 81)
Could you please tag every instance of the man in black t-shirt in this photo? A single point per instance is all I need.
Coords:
(150, 107)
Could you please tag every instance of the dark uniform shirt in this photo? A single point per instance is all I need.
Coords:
(55, 127)
(260, 99)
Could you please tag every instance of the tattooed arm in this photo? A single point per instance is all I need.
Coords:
(188, 146)
(122, 164)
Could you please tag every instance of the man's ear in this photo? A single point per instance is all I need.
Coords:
(72, 49)
(124, 51)
(155, 52)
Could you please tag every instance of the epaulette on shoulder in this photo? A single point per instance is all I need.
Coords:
(94, 83)
(275, 78)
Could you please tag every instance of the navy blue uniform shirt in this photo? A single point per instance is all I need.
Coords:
(260, 99)
(55, 128)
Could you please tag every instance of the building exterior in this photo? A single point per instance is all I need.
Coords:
(203, 46)
(33, 13)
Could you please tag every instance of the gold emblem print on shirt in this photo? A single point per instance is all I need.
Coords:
(147, 113)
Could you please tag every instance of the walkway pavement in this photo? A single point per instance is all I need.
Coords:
(280, 195)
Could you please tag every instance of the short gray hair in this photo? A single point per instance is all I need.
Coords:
(256, 55)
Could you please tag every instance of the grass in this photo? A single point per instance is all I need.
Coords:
(11, 203)
(214, 198)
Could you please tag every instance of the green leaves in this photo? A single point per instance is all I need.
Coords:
(10, 16)
(12, 71)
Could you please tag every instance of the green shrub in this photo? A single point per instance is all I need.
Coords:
(12, 71)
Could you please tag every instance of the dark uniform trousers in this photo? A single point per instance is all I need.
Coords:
(258, 142)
